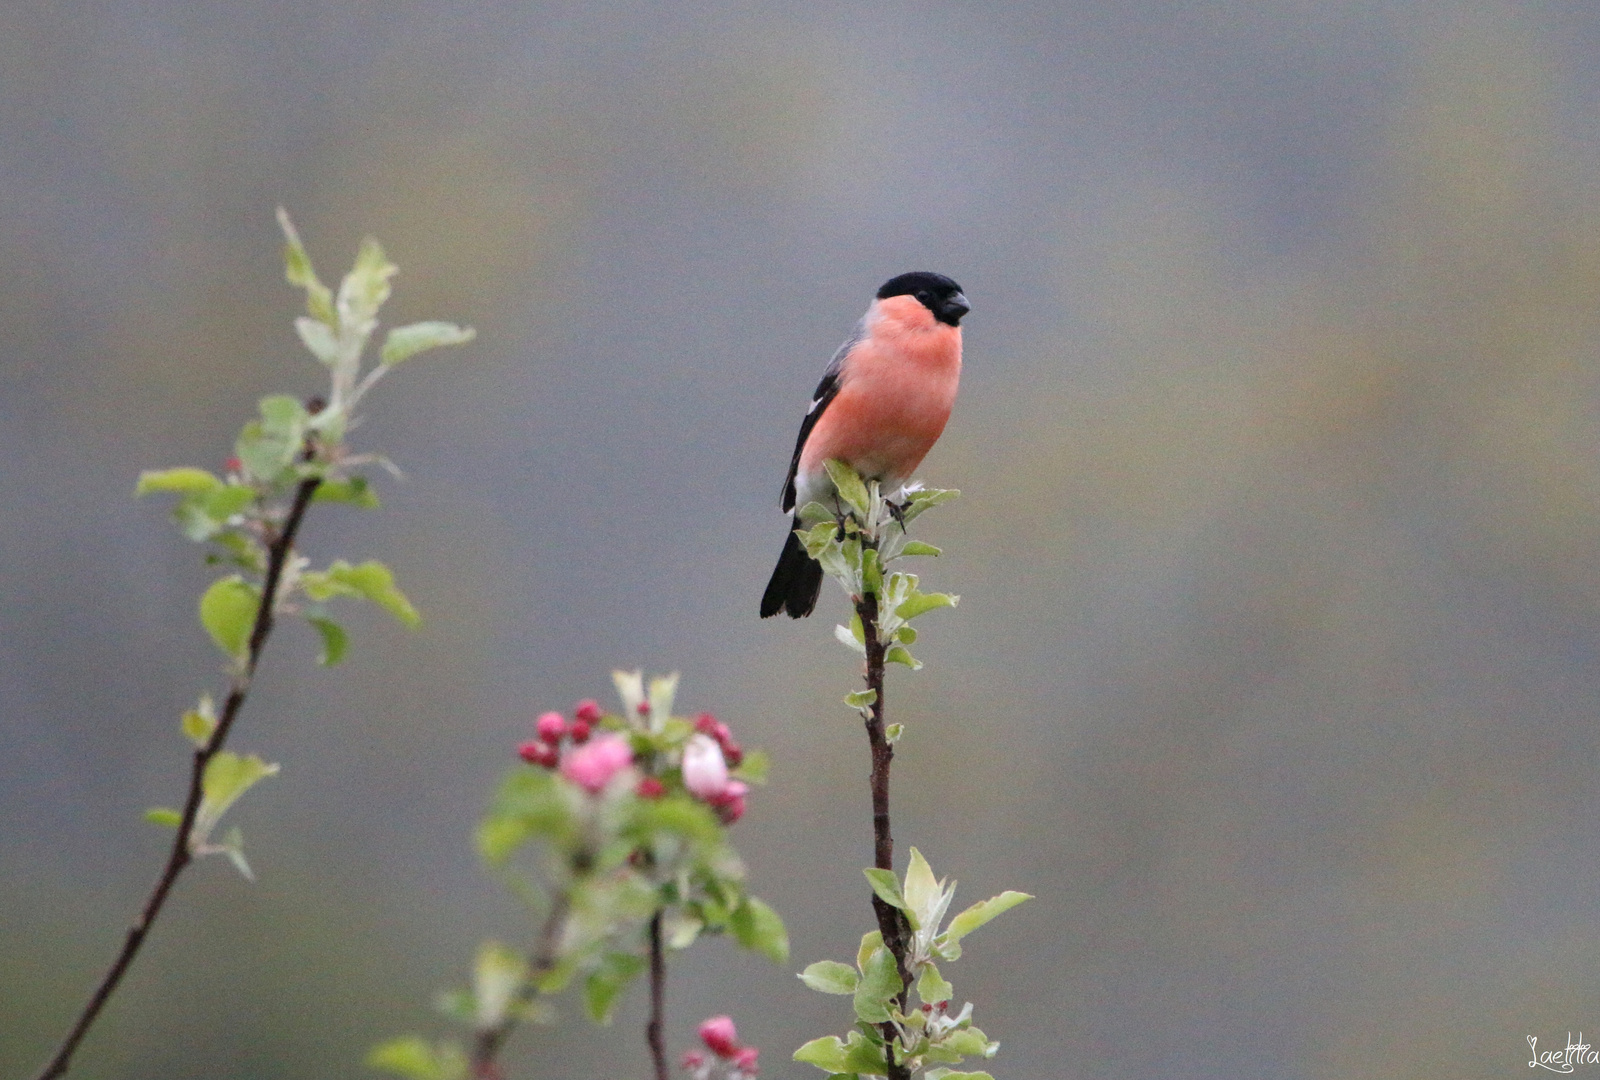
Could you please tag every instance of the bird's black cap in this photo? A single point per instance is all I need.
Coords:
(938, 294)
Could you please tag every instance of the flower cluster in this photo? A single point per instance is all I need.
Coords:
(730, 1061)
(704, 752)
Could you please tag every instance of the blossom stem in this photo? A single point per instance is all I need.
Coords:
(655, 1030)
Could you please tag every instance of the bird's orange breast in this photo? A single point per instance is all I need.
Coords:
(896, 390)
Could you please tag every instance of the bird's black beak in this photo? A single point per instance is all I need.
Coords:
(953, 308)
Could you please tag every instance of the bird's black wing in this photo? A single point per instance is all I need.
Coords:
(827, 389)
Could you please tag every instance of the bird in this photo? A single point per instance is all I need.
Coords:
(882, 403)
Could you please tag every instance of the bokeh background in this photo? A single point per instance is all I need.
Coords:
(1278, 661)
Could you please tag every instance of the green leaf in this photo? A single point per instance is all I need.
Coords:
(268, 446)
(365, 288)
(298, 271)
(861, 699)
(826, 1053)
(404, 342)
(228, 612)
(199, 722)
(926, 499)
(863, 1056)
(922, 889)
(319, 339)
(497, 975)
(906, 635)
(980, 913)
(871, 940)
(227, 777)
(334, 640)
(917, 547)
(886, 885)
(830, 977)
(754, 768)
(355, 490)
(818, 537)
(898, 654)
(848, 483)
(880, 984)
(531, 802)
(184, 479)
(375, 581)
(499, 836)
(414, 1059)
(969, 1042)
(931, 987)
(919, 602)
(759, 928)
(224, 502)
(677, 816)
(282, 414)
(849, 1059)
(163, 815)
(606, 983)
(813, 512)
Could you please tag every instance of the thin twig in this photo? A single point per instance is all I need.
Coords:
(891, 922)
(181, 855)
(487, 1042)
(655, 1030)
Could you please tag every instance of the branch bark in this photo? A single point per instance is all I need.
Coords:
(891, 922)
(278, 552)
(655, 1030)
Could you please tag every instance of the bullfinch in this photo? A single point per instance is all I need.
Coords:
(881, 405)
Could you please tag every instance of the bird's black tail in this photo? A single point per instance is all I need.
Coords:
(795, 582)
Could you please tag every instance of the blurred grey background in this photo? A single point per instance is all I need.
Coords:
(1278, 661)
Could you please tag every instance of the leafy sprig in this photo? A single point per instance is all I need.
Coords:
(895, 1036)
(291, 455)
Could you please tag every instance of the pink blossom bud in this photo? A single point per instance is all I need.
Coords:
(233, 464)
(535, 752)
(720, 1037)
(693, 1059)
(592, 765)
(730, 804)
(644, 708)
(705, 773)
(650, 788)
(745, 1059)
(731, 810)
(732, 752)
(551, 726)
(706, 724)
(587, 711)
(580, 732)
